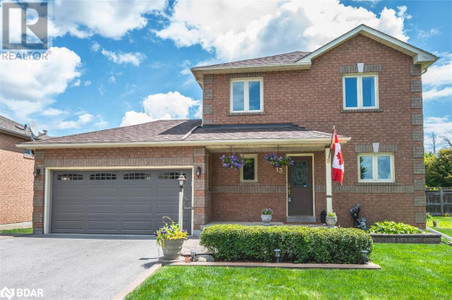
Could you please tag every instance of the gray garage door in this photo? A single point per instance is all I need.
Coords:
(120, 202)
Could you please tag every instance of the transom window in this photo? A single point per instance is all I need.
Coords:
(137, 176)
(67, 177)
(103, 176)
(360, 91)
(248, 173)
(170, 175)
(247, 95)
(376, 167)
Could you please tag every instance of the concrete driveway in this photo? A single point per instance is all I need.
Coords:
(75, 267)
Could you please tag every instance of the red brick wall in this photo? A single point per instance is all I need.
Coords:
(313, 98)
(124, 157)
(16, 181)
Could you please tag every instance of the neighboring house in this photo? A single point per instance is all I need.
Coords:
(16, 173)
(366, 83)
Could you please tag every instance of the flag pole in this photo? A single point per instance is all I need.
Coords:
(329, 188)
(331, 143)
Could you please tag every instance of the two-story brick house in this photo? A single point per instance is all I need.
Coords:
(365, 83)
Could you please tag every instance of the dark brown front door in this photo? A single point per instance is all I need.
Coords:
(300, 187)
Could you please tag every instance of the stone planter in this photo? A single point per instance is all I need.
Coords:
(172, 249)
(266, 219)
(331, 221)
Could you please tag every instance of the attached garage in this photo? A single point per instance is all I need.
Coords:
(117, 201)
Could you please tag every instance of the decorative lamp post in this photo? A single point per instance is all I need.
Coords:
(181, 181)
(277, 254)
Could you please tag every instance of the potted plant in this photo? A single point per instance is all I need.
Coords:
(266, 216)
(233, 161)
(171, 237)
(278, 161)
(331, 218)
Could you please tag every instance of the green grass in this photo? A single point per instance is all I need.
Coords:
(409, 271)
(444, 224)
(17, 231)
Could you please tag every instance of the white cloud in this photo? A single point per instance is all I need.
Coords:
(76, 83)
(95, 46)
(52, 112)
(108, 18)
(31, 85)
(438, 79)
(134, 58)
(426, 34)
(441, 126)
(133, 118)
(171, 105)
(83, 119)
(238, 29)
(87, 83)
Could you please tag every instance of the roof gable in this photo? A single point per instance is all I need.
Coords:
(425, 59)
(303, 60)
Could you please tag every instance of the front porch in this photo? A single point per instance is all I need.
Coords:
(297, 193)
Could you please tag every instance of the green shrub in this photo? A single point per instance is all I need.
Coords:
(389, 227)
(298, 244)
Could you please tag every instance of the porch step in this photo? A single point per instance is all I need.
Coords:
(301, 219)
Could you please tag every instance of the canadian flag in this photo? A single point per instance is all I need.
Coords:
(337, 171)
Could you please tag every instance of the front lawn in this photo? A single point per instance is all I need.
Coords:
(408, 271)
(444, 224)
(17, 231)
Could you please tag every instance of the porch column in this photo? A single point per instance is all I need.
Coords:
(329, 183)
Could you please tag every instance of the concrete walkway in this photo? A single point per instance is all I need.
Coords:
(75, 266)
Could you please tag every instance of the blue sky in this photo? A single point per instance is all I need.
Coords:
(118, 63)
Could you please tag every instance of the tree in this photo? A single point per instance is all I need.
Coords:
(447, 138)
(433, 140)
(438, 169)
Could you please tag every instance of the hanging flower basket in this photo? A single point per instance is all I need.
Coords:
(278, 161)
(233, 161)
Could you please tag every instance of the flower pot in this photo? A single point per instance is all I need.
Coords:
(266, 219)
(172, 249)
(331, 221)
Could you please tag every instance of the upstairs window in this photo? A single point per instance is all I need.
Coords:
(247, 95)
(360, 91)
(376, 167)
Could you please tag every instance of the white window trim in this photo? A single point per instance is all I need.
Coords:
(359, 91)
(375, 167)
(246, 98)
(255, 168)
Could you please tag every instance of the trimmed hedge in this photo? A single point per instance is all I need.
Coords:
(298, 244)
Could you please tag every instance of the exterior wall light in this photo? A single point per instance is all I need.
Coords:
(37, 172)
(198, 171)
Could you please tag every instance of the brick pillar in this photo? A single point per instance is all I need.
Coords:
(202, 200)
(38, 194)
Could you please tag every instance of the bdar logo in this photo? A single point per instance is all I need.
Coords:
(7, 293)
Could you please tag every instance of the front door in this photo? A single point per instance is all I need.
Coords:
(300, 200)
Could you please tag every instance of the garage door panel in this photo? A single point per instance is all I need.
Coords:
(132, 206)
(73, 226)
(134, 209)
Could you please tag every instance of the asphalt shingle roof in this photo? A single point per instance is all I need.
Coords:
(279, 59)
(156, 131)
(15, 128)
(187, 130)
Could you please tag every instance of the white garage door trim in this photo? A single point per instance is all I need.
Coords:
(49, 176)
